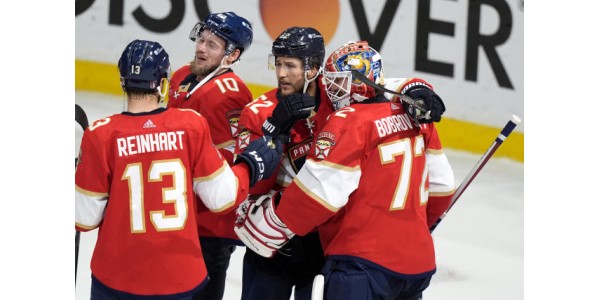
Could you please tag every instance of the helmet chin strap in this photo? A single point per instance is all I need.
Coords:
(308, 81)
(221, 67)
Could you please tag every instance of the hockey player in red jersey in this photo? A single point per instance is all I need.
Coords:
(137, 176)
(297, 58)
(373, 183)
(209, 86)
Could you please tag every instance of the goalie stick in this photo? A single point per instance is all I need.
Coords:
(508, 128)
(82, 120)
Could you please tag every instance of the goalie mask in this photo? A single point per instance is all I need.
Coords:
(341, 87)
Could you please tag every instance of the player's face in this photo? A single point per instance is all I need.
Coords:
(210, 50)
(290, 74)
(339, 85)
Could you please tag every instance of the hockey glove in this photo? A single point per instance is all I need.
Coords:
(242, 209)
(262, 157)
(290, 108)
(259, 228)
(428, 99)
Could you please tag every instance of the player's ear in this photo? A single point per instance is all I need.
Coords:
(234, 56)
(314, 71)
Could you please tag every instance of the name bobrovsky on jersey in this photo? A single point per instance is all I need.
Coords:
(150, 142)
(392, 124)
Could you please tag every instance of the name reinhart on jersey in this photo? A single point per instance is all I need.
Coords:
(150, 142)
(392, 124)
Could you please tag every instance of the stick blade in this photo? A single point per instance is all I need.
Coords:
(81, 117)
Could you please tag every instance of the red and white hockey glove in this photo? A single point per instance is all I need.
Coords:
(259, 228)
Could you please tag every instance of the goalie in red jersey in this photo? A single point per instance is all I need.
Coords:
(374, 181)
(137, 177)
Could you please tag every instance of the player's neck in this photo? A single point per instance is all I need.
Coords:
(311, 89)
(148, 104)
(199, 78)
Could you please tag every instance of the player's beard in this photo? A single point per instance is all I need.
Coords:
(202, 71)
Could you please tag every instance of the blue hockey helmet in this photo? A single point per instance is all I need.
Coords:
(235, 30)
(305, 43)
(143, 65)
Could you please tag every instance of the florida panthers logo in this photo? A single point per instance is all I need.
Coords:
(325, 141)
(243, 139)
(233, 116)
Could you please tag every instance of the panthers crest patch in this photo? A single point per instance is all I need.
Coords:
(243, 139)
(233, 116)
(325, 141)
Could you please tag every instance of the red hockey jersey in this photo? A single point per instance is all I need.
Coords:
(365, 187)
(220, 100)
(136, 180)
(301, 135)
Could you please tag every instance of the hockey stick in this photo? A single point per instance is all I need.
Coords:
(508, 128)
(81, 117)
(318, 287)
(404, 98)
(82, 120)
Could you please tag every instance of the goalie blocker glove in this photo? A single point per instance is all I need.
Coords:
(426, 97)
(290, 108)
(259, 228)
(262, 157)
